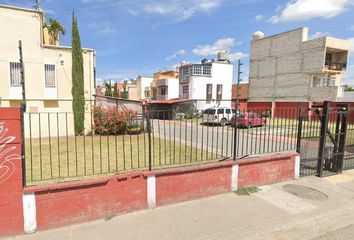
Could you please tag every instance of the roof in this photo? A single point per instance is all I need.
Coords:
(122, 99)
(21, 9)
(169, 101)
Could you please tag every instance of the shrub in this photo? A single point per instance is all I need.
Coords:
(107, 121)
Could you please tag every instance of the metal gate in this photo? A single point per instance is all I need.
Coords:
(325, 140)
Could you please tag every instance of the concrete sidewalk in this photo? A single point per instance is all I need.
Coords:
(272, 213)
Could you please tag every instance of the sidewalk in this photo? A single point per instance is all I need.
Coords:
(272, 214)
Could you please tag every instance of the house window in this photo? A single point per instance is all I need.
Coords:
(185, 89)
(209, 92)
(49, 74)
(15, 74)
(328, 58)
(219, 92)
(207, 70)
(184, 71)
(163, 91)
(197, 70)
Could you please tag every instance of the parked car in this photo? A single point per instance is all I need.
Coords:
(248, 119)
(219, 115)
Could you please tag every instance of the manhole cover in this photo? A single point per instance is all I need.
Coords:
(305, 192)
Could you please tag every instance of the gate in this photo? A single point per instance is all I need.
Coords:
(322, 134)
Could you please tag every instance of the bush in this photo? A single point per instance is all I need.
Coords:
(107, 121)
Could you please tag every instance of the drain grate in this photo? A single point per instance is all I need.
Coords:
(305, 192)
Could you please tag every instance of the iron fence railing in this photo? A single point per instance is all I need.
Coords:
(120, 140)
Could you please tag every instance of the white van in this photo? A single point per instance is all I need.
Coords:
(219, 115)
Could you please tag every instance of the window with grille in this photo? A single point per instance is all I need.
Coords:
(197, 70)
(185, 89)
(218, 92)
(163, 91)
(207, 70)
(49, 74)
(15, 74)
(209, 92)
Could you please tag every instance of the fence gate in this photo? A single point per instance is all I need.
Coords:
(322, 140)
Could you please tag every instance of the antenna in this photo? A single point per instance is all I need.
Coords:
(37, 4)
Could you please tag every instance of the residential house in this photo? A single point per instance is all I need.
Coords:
(209, 82)
(243, 96)
(143, 86)
(47, 68)
(131, 88)
(165, 85)
(290, 67)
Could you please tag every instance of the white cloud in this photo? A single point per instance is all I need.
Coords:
(223, 44)
(181, 9)
(212, 49)
(176, 54)
(351, 28)
(258, 17)
(299, 10)
(236, 56)
(102, 28)
(319, 34)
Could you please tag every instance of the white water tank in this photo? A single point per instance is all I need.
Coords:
(258, 35)
(222, 56)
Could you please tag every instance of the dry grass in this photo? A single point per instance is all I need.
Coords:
(61, 159)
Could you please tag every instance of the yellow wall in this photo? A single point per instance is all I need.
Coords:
(27, 25)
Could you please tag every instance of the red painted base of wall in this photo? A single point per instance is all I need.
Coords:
(266, 170)
(68, 203)
(192, 183)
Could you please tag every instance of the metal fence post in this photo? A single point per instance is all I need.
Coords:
(299, 131)
(235, 129)
(323, 136)
(148, 123)
(23, 149)
(343, 134)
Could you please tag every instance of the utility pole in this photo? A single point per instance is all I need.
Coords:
(22, 71)
(237, 103)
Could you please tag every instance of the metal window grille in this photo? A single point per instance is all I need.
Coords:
(15, 74)
(209, 92)
(207, 70)
(219, 92)
(49, 72)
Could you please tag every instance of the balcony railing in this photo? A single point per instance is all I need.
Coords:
(335, 66)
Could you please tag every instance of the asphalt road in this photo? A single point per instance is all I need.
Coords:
(219, 140)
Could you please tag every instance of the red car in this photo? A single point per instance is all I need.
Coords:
(248, 119)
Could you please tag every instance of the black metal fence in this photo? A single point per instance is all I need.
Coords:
(120, 141)
(326, 143)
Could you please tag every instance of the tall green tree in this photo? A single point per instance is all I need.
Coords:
(115, 91)
(108, 91)
(124, 93)
(78, 79)
(55, 29)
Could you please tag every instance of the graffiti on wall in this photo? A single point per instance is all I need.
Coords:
(7, 154)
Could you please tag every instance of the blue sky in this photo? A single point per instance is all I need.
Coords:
(140, 37)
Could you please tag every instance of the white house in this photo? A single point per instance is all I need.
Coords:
(208, 82)
(143, 84)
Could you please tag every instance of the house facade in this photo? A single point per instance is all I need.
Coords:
(47, 68)
(165, 85)
(290, 67)
(143, 86)
(208, 82)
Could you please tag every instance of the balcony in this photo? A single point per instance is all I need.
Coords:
(335, 66)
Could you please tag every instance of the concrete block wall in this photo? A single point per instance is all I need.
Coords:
(281, 67)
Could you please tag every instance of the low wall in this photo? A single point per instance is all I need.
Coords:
(42, 207)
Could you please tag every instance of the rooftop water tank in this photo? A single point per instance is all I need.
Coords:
(258, 35)
(222, 56)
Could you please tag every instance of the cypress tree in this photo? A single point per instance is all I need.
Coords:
(115, 90)
(78, 79)
(108, 91)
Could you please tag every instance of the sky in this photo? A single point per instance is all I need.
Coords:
(140, 37)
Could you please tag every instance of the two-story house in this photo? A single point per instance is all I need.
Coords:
(290, 67)
(165, 85)
(208, 82)
(47, 68)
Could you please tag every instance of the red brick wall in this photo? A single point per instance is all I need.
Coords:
(193, 183)
(266, 170)
(68, 203)
(11, 220)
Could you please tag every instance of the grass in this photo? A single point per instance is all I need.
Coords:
(61, 159)
(247, 191)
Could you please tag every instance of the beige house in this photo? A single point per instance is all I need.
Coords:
(47, 68)
(293, 68)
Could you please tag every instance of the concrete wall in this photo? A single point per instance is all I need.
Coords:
(282, 66)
